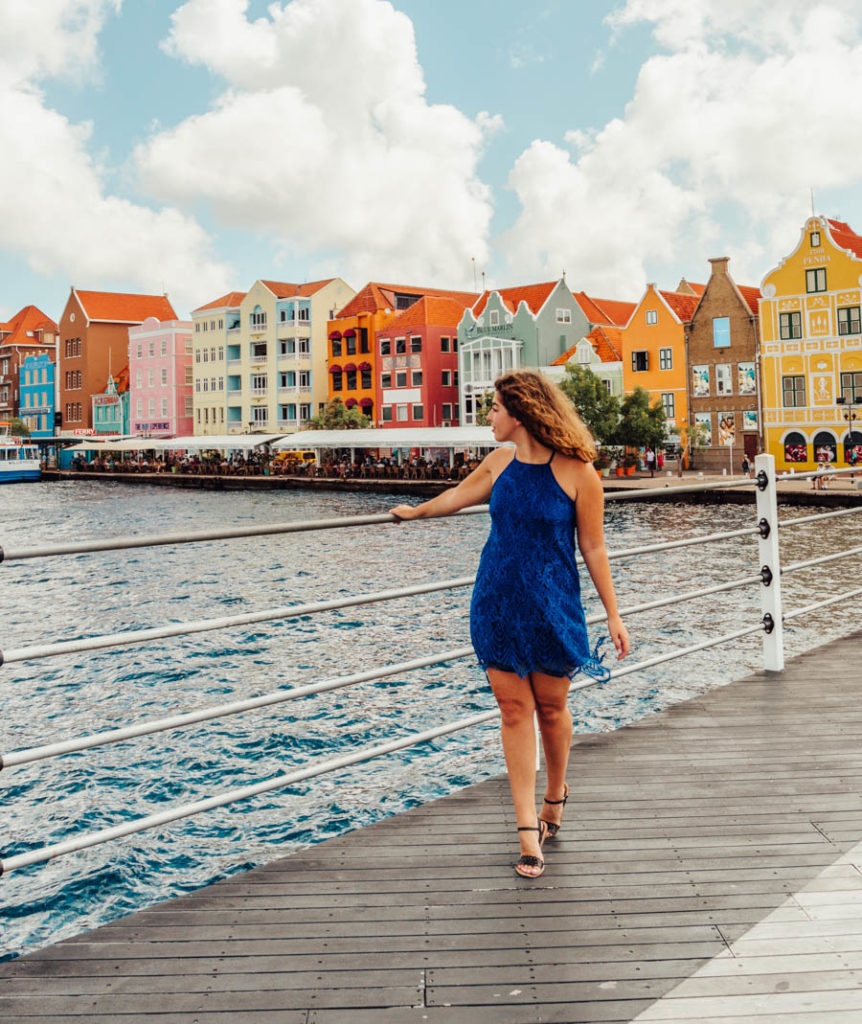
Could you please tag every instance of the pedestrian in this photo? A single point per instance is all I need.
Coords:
(746, 466)
(526, 618)
(650, 461)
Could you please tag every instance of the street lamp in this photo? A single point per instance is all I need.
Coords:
(850, 416)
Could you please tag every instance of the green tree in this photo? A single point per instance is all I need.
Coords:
(642, 425)
(598, 408)
(483, 407)
(18, 428)
(336, 416)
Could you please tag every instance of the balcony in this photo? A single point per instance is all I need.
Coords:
(259, 392)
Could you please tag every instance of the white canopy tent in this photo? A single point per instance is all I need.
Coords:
(205, 442)
(395, 437)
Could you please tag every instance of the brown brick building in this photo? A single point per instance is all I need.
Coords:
(722, 356)
(94, 342)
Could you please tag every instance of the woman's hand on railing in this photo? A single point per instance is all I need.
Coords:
(620, 636)
(405, 512)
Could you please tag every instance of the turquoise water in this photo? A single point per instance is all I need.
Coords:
(70, 597)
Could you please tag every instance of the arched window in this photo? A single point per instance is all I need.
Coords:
(825, 447)
(853, 444)
(795, 447)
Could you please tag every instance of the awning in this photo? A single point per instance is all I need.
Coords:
(350, 333)
(392, 437)
(218, 442)
(350, 403)
(365, 366)
(335, 368)
(335, 335)
(350, 367)
(366, 403)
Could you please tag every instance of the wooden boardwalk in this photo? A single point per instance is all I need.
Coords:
(710, 870)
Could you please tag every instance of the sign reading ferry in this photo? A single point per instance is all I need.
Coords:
(83, 431)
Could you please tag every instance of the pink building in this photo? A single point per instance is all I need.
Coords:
(160, 378)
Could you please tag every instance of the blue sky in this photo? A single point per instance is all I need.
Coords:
(192, 148)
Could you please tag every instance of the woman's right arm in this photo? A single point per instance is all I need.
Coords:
(473, 490)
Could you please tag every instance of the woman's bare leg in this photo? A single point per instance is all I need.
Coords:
(555, 725)
(517, 705)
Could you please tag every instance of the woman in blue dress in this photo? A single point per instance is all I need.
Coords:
(526, 619)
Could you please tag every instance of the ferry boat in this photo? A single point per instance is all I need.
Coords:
(19, 460)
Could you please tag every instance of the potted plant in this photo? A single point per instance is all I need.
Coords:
(630, 464)
(602, 463)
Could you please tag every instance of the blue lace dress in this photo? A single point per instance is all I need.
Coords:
(526, 613)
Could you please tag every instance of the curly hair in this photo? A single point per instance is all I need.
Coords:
(546, 413)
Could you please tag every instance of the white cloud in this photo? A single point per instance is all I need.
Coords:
(54, 207)
(325, 140)
(745, 112)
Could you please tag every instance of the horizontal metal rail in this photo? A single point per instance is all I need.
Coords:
(822, 559)
(813, 474)
(76, 744)
(846, 596)
(261, 530)
(807, 520)
(284, 613)
(85, 841)
(707, 538)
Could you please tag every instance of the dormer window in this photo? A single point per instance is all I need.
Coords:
(652, 316)
(814, 239)
(493, 318)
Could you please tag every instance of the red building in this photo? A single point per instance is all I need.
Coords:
(28, 333)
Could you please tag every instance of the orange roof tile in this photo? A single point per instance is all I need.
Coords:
(605, 311)
(683, 305)
(535, 295)
(751, 295)
(375, 296)
(31, 319)
(606, 341)
(124, 308)
(845, 237)
(430, 311)
(285, 290)
(229, 301)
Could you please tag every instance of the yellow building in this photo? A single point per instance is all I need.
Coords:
(811, 349)
(215, 327)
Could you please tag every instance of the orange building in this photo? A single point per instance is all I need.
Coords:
(353, 359)
(653, 349)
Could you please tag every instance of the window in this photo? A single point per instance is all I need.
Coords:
(416, 378)
(221, 351)
(221, 324)
(721, 331)
(138, 380)
(305, 411)
(258, 350)
(188, 375)
(723, 379)
(418, 412)
(151, 348)
(447, 410)
(668, 401)
(164, 375)
(401, 413)
(206, 355)
(258, 384)
(446, 378)
(454, 344)
(386, 380)
(303, 346)
(140, 349)
(303, 314)
(164, 346)
(665, 358)
(304, 379)
(455, 379)
(139, 407)
(363, 340)
(401, 379)
(351, 380)
(336, 348)
(814, 239)
(385, 346)
(221, 383)
(640, 362)
(848, 320)
(212, 354)
(400, 346)
(564, 316)
(795, 448)
(205, 384)
(164, 406)
(851, 386)
(493, 318)
(365, 379)
(789, 325)
(198, 356)
(206, 415)
(151, 407)
(151, 378)
(793, 390)
(416, 343)
(258, 317)
(652, 316)
(386, 414)
(259, 415)
(444, 344)
(350, 342)
(815, 280)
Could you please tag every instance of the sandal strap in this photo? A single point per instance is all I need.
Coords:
(529, 861)
(530, 828)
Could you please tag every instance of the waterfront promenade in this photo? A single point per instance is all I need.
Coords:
(709, 871)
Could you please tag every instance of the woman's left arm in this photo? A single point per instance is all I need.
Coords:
(589, 511)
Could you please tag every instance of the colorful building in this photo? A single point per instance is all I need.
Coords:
(811, 349)
(94, 345)
(216, 362)
(36, 393)
(354, 354)
(600, 351)
(653, 350)
(514, 328)
(276, 357)
(723, 354)
(111, 407)
(28, 333)
(160, 378)
(418, 359)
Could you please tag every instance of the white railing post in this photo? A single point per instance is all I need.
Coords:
(770, 589)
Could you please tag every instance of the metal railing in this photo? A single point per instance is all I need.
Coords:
(767, 578)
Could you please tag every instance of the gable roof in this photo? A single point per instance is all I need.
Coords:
(845, 237)
(123, 307)
(229, 301)
(429, 311)
(751, 295)
(682, 305)
(375, 296)
(286, 290)
(605, 311)
(535, 296)
(606, 341)
(31, 319)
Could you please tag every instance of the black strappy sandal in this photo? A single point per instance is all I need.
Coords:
(527, 860)
(553, 827)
